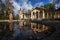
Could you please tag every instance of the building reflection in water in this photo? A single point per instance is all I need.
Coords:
(38, 27)
(21, 24)
(11, 26)
(33, 26)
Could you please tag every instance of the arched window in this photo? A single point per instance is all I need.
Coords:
(33, 13)
(41, 12)
(36, 11)
(37, 14)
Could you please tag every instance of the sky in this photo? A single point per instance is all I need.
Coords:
(29, 4)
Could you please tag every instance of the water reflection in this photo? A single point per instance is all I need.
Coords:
(10, 26)
(38, 27)
(5, 34)
(25, 30)
(33, 26)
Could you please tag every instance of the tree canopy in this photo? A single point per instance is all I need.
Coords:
(49, 7)
(4, 8)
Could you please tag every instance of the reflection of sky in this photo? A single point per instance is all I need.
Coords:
(23, 31)
(16, 30)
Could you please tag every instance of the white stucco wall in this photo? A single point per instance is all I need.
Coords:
(20, 14)
(34, 16)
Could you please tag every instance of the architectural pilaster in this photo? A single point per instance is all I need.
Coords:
(43, 15)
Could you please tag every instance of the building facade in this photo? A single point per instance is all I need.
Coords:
(27, 16)
(53, 15)
(41, 13)
(37, 14)
(57, 15)
(21, 15)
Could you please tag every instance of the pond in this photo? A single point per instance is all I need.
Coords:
(25, 31)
